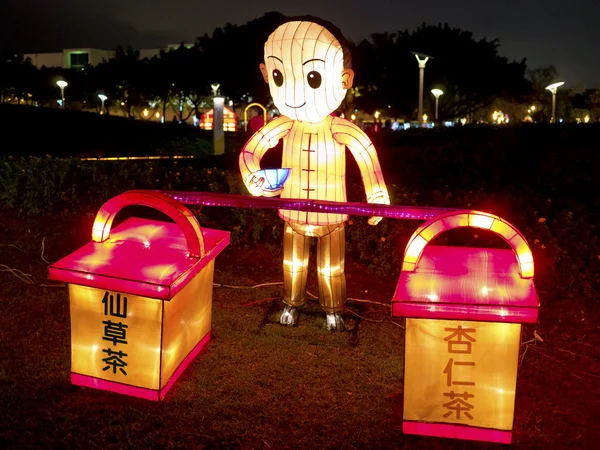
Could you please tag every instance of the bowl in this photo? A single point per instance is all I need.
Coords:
(274, 178)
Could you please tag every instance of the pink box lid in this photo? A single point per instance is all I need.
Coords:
(466, 283)
(141, 257)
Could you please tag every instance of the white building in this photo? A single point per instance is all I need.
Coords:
(78, 58)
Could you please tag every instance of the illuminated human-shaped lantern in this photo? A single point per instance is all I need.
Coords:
(464, 310)
(140, 297)
(309, 72)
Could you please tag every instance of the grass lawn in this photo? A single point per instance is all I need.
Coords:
(259, 384)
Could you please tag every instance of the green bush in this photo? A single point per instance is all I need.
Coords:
(562, 229)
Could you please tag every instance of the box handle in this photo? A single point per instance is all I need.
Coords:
(467, 218)
(156, 200)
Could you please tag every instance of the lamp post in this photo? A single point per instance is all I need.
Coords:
(552, 88)
(62, 84)
(103, 98)
(436, 93)
(422, 60)
(218, 132)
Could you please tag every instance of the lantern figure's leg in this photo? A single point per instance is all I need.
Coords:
(331, 250)
(296, 247)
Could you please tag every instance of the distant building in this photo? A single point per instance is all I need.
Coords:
(78, 58)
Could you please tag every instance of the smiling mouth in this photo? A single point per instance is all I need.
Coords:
(295, 107)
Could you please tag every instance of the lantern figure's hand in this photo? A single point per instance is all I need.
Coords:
(379, 199)
(374, 220)
(255, 186)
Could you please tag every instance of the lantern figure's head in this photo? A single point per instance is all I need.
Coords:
(307, 70)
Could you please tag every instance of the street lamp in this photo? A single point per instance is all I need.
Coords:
(436, 93)
(422, 60)
(62, 84)
(103, 98)
(552, 88)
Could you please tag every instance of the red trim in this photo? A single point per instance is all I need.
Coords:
(457, 432)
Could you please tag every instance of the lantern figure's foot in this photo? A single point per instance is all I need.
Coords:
(335, 322)
(289, 315)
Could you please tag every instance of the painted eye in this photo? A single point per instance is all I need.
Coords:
(278, 77)
(314, 79)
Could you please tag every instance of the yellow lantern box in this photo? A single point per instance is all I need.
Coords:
(140, 297)
(464, 310)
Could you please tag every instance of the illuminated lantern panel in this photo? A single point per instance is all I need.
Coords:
(464, 309)
(229, 120)
(140, 300)
(460, 373)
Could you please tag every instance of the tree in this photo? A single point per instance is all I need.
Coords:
(122, 78)
(541, 77)
(17, 79)
(470, 72)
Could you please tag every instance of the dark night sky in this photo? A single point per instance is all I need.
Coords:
(563, 33)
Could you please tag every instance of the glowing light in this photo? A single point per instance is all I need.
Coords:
(500, 118)
(437, 92)
(424, 117)
(586, 119)
(480, 221)
(146, 113)
(353, 117)
(376, 114)
(258, 105)
(62, 84)
(229, 120)
(157, 115)
(161, 202)
(432, 228)
(141, 299)
(553, 87)
(439, 360)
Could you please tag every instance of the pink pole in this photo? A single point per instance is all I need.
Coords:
(357, 209)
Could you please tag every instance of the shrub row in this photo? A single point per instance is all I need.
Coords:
(564, 242)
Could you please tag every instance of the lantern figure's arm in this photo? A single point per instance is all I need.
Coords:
(361, 147)
(264, 139)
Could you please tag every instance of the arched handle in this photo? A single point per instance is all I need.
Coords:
(161, 202)
(466, 218)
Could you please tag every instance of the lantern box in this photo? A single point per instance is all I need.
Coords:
(464, 310)
(140, 297)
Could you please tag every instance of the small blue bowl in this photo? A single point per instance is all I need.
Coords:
(274, 178)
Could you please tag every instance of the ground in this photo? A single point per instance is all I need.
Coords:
(259, 384)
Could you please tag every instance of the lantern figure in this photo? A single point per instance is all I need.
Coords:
(229, 120)
(140, 297)
(464, 310)
(308, 72)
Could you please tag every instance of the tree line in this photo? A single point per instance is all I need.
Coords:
(474, 77)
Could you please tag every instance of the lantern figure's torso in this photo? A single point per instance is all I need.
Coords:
(319, 163)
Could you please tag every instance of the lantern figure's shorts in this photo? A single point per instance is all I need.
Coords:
(330, 264)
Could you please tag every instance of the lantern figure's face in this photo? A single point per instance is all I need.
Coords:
(304, 66)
